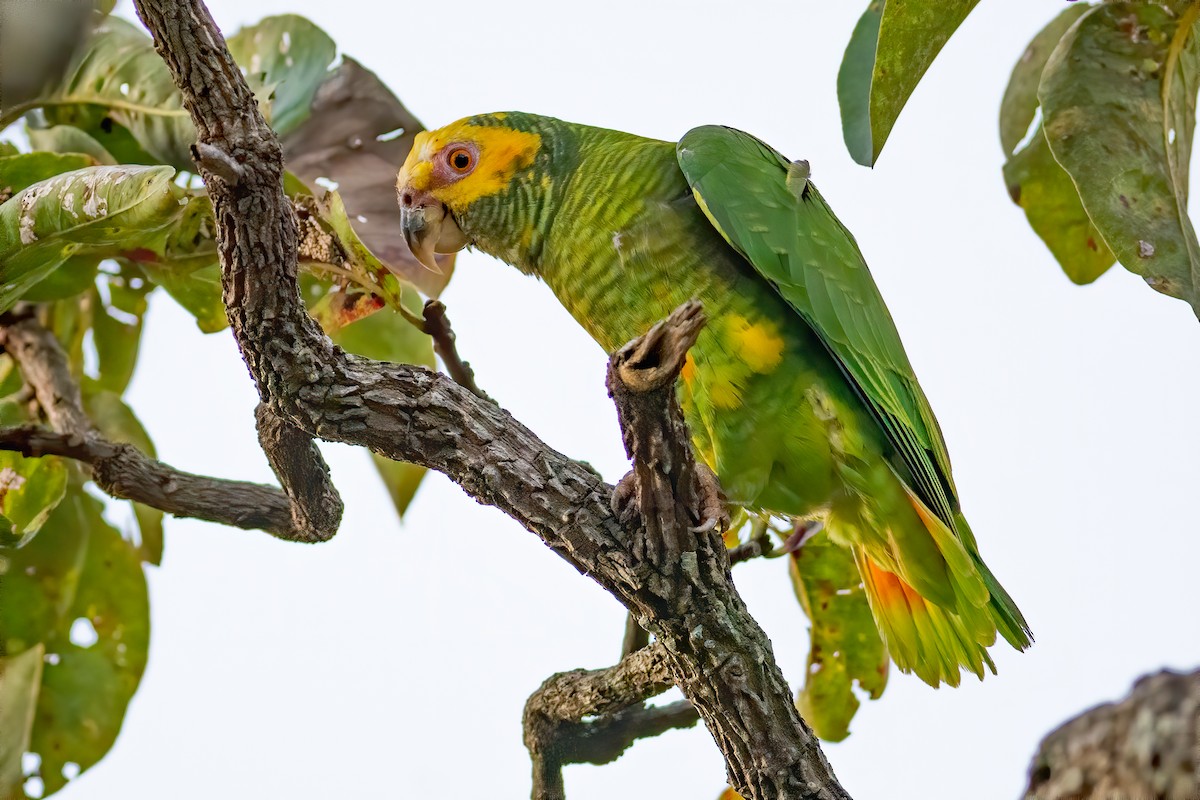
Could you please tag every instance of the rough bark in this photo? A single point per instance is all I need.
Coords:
(558, 730)
(1145, 746)
(718, 655)
(120, 469)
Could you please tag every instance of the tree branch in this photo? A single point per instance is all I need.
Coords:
(122, 470)
(716, 652)
(437, 326)
(557, 731)
(1146, 745)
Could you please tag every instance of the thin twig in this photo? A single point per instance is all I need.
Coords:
(437, 325)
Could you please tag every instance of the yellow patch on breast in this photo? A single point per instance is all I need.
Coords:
(758, 344)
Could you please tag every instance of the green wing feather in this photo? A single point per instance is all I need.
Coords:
(768, 210)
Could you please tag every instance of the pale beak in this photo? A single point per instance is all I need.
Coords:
(428, 228)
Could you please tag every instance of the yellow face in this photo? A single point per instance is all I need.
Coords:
(460, 163)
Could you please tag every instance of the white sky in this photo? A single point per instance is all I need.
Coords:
(395, 660)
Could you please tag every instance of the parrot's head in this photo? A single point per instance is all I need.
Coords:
(474, 182)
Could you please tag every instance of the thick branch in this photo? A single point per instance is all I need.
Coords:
(316, 507)
(122, 470)
(718, 655)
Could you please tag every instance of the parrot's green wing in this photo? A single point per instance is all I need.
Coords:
(768, 210)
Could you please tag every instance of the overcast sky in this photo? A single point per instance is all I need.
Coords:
(394, 661)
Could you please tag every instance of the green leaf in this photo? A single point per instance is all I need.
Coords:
(844, 645)
(893, 44)
(118, 73)
(95, 121)
(30, 488)
(1125, 140)
(8, 149)
(401, 479)
(76, 275)
(78, 588)
(1039, 185)
(290, 57)
(22, 171)
(99, 211)
(117, 327)
(114, 418)
(388, 336)
(198, 291)
(68, 139)
(20, 680)
(1019, 106)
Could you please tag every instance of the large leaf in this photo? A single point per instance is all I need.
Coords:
(289, 57)
(74, 277)
(388, 336)
(78, 589)
(117, 327)
(20, 680)
(1039, 185)
(118, 74)
(69, 139)
(357, 136)
(893, 44)
(1019, 106)
(21, 171)
(1125, 138)
(844, 645)
(97, 211)
(30, 488)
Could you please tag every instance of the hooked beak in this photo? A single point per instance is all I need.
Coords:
(428, 228)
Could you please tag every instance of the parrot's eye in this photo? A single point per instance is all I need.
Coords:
(461, 159)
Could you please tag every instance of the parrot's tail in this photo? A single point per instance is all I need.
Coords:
(946, 624)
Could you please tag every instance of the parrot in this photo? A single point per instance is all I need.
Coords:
(798, 392)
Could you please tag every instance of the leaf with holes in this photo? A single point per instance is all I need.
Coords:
(98, 211)
(845, 649)
(890, 49)
(30, 488)
(289, 58)
(358, 136)
(1118, 99)
(388, 336)
(78, 588)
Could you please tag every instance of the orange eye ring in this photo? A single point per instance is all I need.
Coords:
(461, 160)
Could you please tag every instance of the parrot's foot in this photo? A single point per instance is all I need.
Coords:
(711, 508)
(624, 501)
(713, 511)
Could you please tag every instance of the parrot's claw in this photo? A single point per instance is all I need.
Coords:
(713, 510)
(624, 501)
